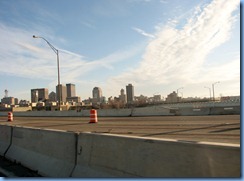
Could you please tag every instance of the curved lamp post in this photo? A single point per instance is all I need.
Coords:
(213, 89)
(56, 52)
(178, 90)
(209, 92)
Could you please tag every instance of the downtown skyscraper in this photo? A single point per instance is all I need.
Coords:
(130, 93)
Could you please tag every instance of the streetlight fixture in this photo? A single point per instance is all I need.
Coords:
(213, 89)
(209, 92)
(56, 52)
(178, 90)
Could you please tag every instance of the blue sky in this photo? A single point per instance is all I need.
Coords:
(157, 45)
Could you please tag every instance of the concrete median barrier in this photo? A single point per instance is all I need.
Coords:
(101, 155)
(67, 154)
(5, 138)
(151, 111)
(51, 153)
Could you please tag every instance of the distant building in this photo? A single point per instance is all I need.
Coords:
(156, 98)
(8, 100)
(230, 99)
(97, 95)
(24, 103)
(73, 99)
(122, 96)
(63, 92)
(130, 93)
(140, 100)
(16, 101)
(70, 90)
(40, 94)
(172, 97)
(52, 97)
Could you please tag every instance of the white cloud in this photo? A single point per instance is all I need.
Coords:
(33, 58)
(177, 56)
(142, 32)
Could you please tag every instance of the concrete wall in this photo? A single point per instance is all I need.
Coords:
(151, 111)
(63, 154)
(114, 112)
(120, 156)
(147, 111)
(52, 153)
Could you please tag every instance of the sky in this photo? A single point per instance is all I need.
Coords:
(158, 46)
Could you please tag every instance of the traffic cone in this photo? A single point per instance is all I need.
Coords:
(93, 116)
(10, 116)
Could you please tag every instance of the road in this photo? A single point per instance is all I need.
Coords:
(219, 128)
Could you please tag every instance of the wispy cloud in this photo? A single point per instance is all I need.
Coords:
(30, 58)
(178, 55)
(142, 32)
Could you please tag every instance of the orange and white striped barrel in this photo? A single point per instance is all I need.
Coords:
(93, 116)
(10, 116)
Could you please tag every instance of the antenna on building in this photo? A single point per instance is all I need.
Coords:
(6, 93)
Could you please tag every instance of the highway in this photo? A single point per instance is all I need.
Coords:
(219, 128)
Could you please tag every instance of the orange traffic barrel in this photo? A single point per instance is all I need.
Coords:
(10, 116)
(93, 116)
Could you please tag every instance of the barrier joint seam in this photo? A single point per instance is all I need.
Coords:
(76, 152)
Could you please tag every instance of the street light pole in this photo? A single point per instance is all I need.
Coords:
(56, 52)
(177, 91)
(213, 89)
(209, 92)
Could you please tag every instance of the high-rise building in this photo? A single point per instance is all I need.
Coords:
(130, 93)
(96, 95)
(97, 92)
(63, 92)
(122, 96)
(39, 94)
(70, 90)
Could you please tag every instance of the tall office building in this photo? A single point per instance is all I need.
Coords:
(63, 92)
(70, 90)
(130, 93)
(39, 94)
(96, 94)
(122, 96)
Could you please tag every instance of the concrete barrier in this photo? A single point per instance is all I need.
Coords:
(101, 155)
(5, 138)
(113, 112)
(185, 109)
(194, 111)
(51, 153)
(225, 110)
(63, 154)
(151, 111)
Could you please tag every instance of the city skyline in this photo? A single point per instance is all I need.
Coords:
(158, 46)
(68, 92)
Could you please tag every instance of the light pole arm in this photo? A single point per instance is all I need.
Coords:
(52, 47)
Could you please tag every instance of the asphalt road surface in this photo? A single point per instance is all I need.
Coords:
(219, 128)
